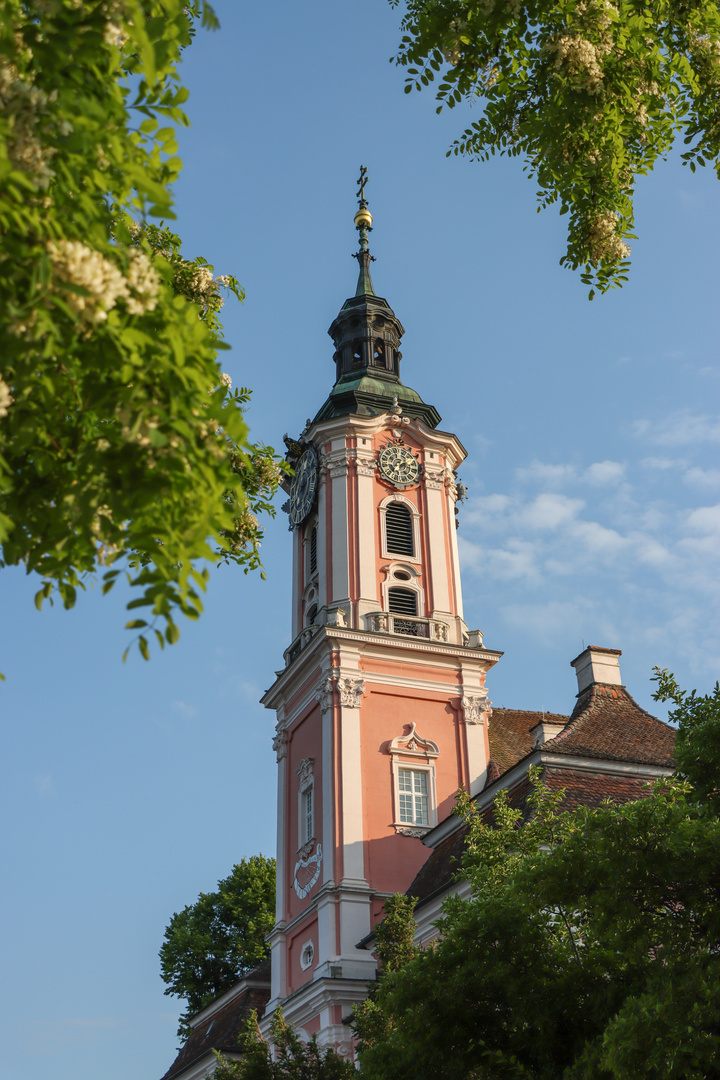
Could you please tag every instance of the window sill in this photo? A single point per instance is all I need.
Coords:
(416, 831)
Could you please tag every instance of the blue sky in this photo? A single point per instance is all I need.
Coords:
(593, 514)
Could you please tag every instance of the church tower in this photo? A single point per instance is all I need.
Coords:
(381, 705)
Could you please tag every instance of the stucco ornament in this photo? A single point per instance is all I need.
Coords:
(307, 872)
(279, 744)
(351, 692)
(408, 830)
(324, 693)
(476, 708)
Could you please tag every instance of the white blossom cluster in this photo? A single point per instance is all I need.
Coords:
(603, 243)
(226, 380)
(25, 107)
(454, 47)
(114, 34)
(6, 398)
(580, 59)
(205, 289)
(78, 264)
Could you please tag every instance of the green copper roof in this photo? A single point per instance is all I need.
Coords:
(368, 395)
(364, 284)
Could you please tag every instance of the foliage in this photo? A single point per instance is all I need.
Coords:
(590, 93)
(394, 948)
(292, 1060)
(120, 443)
(394, 945)
(588, 950)
(697, 746)
(212, 943)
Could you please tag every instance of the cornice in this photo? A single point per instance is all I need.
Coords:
(370, 425)
(335, 635)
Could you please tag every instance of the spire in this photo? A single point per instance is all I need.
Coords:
(363, 224)
(366, 334)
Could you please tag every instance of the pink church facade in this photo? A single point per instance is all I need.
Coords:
(381, 707)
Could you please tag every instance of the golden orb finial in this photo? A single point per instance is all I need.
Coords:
(363, 218)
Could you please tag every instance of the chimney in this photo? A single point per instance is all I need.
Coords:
(597, 665)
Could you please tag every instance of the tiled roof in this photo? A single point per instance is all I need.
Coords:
(438, 871)
(590, 789)
(509, 734)
(221, 1030)
(582, 788)
(607, 723)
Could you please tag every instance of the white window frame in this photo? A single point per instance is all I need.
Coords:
(306, 835)
(307, 955)
(406, 768)
(415, 516)
(411, 751)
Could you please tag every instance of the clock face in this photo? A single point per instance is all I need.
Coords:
(303, 488)
(398, 464)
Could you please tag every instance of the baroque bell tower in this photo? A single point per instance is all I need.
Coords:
(381, 705)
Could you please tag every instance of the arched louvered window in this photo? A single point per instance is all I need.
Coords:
(312, 615)
(399, 530)
(402, 601)
(313, 550)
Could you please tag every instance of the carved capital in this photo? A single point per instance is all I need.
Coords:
(351, 692)
(324, 693)
(476, 708)
(280, 744)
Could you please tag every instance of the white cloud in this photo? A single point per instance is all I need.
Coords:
(705, 519)
(604, 472)
(539, 472)
(550, 511)
(704, 478)
(663, 464)
(620, 562)
(679, 429)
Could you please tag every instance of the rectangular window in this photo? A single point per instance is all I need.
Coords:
(307, 809)
(413, 785)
